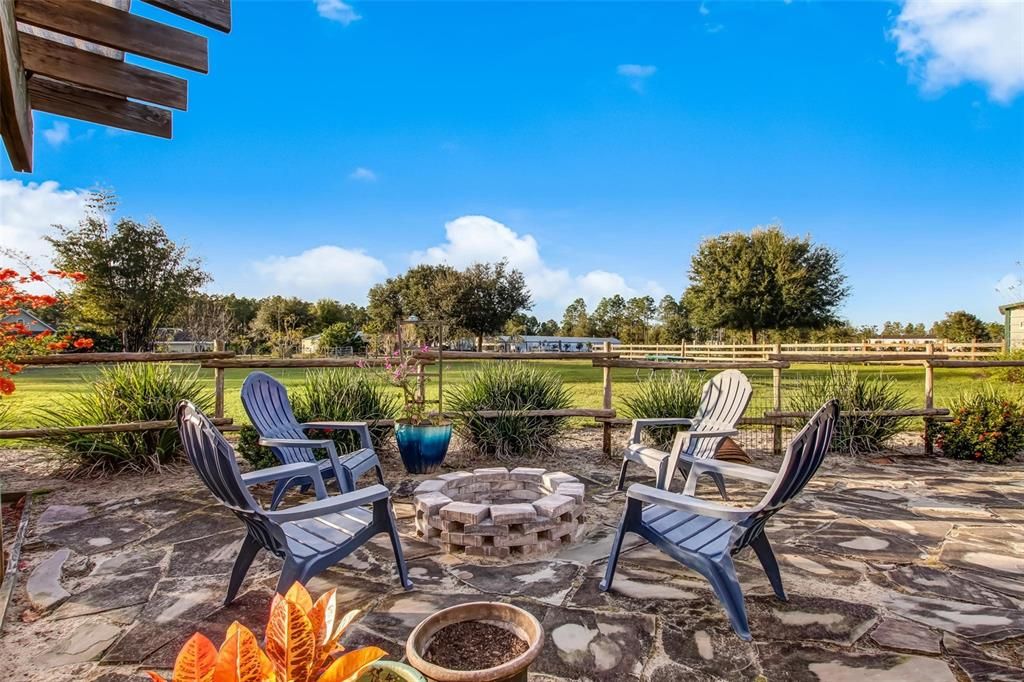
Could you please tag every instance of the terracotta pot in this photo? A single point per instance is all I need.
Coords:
(504, 616)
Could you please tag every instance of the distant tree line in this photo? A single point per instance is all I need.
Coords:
(758, 286)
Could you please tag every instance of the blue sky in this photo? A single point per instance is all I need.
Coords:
(594, 145)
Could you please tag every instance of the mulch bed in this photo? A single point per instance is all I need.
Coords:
(472, 645)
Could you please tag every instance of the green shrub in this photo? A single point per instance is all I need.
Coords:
(676, 394)
(861, 392)
(1011, 375)
(512, 388)
(987, 426)
(121, 394)
(331, 395)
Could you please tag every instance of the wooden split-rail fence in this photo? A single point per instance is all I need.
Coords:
(776, 358)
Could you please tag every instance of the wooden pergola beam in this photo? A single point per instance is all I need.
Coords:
(15, 107)
(81, 67)
(63, 99)
(116, 28)
(213, 13)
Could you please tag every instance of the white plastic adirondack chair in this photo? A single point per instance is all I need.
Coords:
(723, 400)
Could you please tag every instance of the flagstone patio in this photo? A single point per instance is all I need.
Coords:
(909, 570)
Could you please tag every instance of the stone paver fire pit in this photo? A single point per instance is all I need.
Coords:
(495, 512)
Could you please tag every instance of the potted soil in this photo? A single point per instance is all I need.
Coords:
(476, 642)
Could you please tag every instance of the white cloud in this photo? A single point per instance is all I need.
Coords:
(476, 238)
(637, 74)
(946, 43)
(327, 270)
(28, 212)
(703, 9)
(336, 10)
(57, 134)
(363, 175)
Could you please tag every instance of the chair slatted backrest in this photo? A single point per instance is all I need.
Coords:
(265, 400)
(803, 457)
(723, 401)
(214, 461)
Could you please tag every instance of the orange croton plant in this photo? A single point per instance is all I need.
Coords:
(15, 338)
(300, 646)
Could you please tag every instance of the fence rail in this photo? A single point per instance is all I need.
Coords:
(776, 357)
(762, 351)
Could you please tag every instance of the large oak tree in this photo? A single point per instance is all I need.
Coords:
(764, 279)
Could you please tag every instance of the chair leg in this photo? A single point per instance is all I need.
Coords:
(380, 473)
(720, 483)
(622, 474)
(396, 543)
(613, 558)
(250, 547)
(290, 573)
(279, 491)
(727, 588)
(764, 552)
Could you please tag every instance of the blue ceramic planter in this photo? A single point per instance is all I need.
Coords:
(422, 446)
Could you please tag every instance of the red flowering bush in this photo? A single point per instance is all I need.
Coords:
(16, 339)
(985, 427)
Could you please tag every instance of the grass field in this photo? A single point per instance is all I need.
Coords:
(49, 387)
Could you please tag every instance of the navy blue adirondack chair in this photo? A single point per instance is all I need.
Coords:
(308, 537)
(704, 535)
(266, 402)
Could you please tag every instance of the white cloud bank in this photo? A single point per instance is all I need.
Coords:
(28, 212)
(57, 134)
(363, 175)
(952, 41)
(476, 238)
(336, 10)
(345, 274)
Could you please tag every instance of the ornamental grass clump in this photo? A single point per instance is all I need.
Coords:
(301, 645)
(987, 426)
(676, 394)
(511, 388)
(332, 395)
(125, 393)
(870, 393)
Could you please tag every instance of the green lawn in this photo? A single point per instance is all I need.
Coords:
(39, 387)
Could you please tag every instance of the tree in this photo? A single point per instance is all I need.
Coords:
(961, 326)
(609, 316)
(673, 322)
(328, 311)
(575, 321)
(338, 335)
(637, 317)
(487, 296)
(426, 291)
(548, 328)
(207, 318)
(912, 330)
(764, 280)
(136, 277)
(278, 314)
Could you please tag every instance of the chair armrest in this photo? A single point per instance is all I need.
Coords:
(335, 503)
(295, 470)
(650, 495)
(730, 469)
(325, 444)
(640, 424)
(362, 428)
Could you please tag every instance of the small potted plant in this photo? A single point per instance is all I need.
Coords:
(476, 642)
(422, 437)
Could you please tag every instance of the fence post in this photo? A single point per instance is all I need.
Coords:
(682, 349)
(777, 403)
(929, 397)
(218, 383)
(606, 426)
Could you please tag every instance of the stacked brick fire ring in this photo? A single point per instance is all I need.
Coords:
(495, 512)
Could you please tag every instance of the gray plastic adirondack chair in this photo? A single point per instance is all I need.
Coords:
(704, 535)
(265, 400)
(723, 400)
(308, 537)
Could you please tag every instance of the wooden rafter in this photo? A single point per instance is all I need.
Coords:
(66, 57)
(81, 67)
(15, 109)
(116, 28)
(213, 13)
(64, 99)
